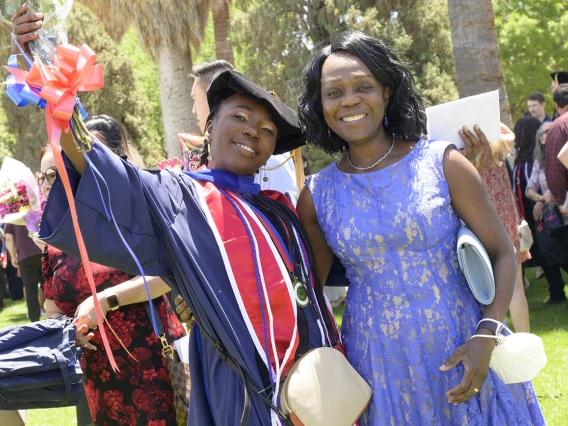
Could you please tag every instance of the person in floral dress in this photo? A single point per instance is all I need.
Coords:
(140, 393)
(490, 163)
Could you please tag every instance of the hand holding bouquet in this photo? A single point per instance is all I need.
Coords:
(58, 70)
(50, 33)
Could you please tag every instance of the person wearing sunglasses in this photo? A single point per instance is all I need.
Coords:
(120, 296)
(47, 176)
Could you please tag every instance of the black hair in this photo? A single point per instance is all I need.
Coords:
(525, 135)
(536, 96)
(207, 70)
(560, 95)
(111, 133)
(405, 110)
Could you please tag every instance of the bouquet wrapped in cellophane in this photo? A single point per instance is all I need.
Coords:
(20, 198)
(53, 30)
(45, 50)
(57, 73)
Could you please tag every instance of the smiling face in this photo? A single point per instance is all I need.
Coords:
(353, 101)
(200, 105)
(242, 136)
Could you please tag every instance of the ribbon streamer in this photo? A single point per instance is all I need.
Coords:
(54, 87)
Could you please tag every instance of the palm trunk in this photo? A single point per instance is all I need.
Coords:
(223, 49)
(174, 67)
(476, 51)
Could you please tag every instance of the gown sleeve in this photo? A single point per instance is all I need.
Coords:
(140, 201)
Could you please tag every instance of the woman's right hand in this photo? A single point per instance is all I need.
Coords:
(25, 28)
(83, 336)
(537, 210)
(184, 312)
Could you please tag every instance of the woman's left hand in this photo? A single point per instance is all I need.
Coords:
(475, 355)
(475, 144)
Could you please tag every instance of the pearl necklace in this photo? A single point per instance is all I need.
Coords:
(376, 163)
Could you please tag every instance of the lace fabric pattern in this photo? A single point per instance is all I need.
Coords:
(408, 306)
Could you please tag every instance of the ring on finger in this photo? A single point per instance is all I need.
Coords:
(475, 390)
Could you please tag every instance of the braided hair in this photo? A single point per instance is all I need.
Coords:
(286, 222)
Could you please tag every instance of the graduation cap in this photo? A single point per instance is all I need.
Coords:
(229, 82)
(559, 77)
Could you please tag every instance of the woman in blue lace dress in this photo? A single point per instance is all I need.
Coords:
(390, 209)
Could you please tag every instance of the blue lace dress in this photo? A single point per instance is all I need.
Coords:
(408, 305)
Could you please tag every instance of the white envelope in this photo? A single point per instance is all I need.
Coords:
(445, 120)
(182, 348)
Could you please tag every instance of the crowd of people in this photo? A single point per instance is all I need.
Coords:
(249, 253)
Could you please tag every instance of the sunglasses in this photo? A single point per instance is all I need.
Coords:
(48, 175)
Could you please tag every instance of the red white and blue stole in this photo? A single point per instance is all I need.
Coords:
(258, 267)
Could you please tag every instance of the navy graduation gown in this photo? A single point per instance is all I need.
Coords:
(159, 216)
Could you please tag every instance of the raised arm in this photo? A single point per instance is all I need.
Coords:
(307, 212)
(26, 26)
(73, 153)
(134, 197)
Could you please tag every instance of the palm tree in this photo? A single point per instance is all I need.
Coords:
(166, 30)
(476, 51)
(221, 21)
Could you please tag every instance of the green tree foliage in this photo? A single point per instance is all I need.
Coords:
(206, 50)
(122, 98)
(533, 38)
(146, 78)
(273, 41)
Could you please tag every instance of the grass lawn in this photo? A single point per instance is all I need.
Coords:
(549, 322)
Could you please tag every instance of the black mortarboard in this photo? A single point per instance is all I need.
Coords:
(560, 77)
(229, 82)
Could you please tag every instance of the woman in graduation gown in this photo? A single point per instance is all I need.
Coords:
(239, 256)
